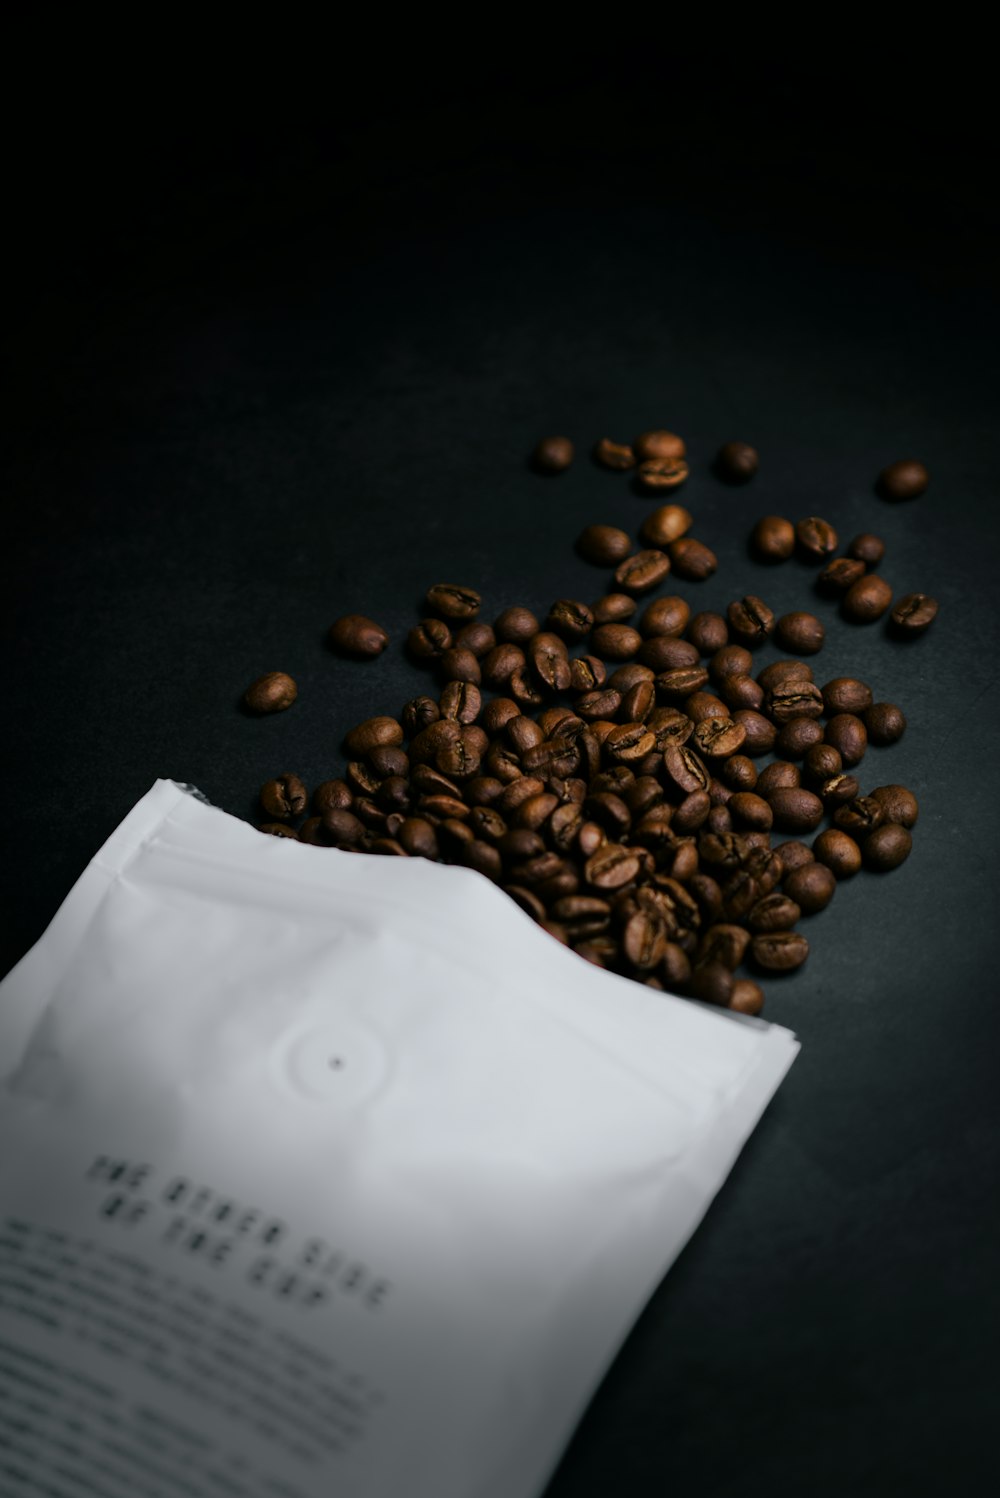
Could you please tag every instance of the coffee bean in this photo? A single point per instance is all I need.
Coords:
(812, 887)
(840, 574)
(773, 538)
(746, 997)
(821, 761)
(867, 548)
(898, 804)
(913, 614)
(550, 660)
(611, 866)
(885, 722)
(867, 599)
(673, 686)
(838, 790)
(428, 640)
(692, 559)
(501, 663)
(644, 940)
(683, 770)
(452, 602)
(284, 797)
(353, 634)
(906, 479)
(615, 642)
(778, 776)
(712, 982)
(586, 673)
(774, 912)
(476, 636)
(638, 702)
(742, 691)
(760, 734)
(662, 473)
(779, 951)
(499, 712)
(569, 619)
(598, 705)
(342, 827)
(816, 538)
(800, 631)
(553, 455)
(702, 705)
(860, 815)
(839, 852)
(708, 633)
(887, 847)
(372, 733)
(846, 694)
(797, 735)
(736, 462)
(642, 571)
(658, 445)
(779, 671)
(667, 653)
(792, 855)
(271, 693)
(460, 665)
(604, 545)
(666, 616)
(750, 810)
(750, 620)
(332, 795)
(740, 773)
(613, 608)
(795, 809)
(847, 733)
(718, 737)
(793, 699)
(614, 455)
(516, 625)
(666, 524)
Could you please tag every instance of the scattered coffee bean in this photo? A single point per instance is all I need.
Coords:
(736, 462)
(795, 809)
(779, 951)
(898, 804)
(746, 996)
(354, 634)
(692, 559)
(662, 473)
(750, 620)
(476, 636)
(847, 733)
(797, 736)
(793, 855)
(614, 455)
(642, 571)
(604, 545)
(840, 574)
(613, 608)
(666, 616)
(913, 614)
(800, 631)
(516, 626)
(452, 602)
(779, 775)
(773, 538)
(838, 851)
(553, 455)
(779, 671)
(867, 599)
(906, 479)
(666, 524)
(271, 693)
(657, 446)
(816, 538)
(885, 722)
(867, 548)
(375, 732)
(846, 694)
(708, 633)
(284, 797)
(812, 887)
(277, 829)
(569, 619)
(887, 847)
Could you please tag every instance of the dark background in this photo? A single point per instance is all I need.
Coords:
(279, 354)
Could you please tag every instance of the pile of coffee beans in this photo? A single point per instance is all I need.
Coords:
(605, 766)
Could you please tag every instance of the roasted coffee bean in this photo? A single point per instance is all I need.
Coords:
(516, 625)
(708, 633)
(483, 790)
(277, 829)
(800, 631)
(793, 699)
(670, 727)
(604, 545)
(425, 745)
(773, 912)
(615, 455)
(840, 574)
(342, 827)
(683, 770)
(498, 713)
(838, 790)
(778, 776)
(655, 446)
(583, 915)
(523, 691)
(779, 951)
(905, 479)
(550, 661)
(740, 773)
(666, 524)
(662, 473)
(839, 852)
(792, 855)
(603, 703)
(629, 742)
(354, 634)
(552, 757)
(666, 616)
(747, 809)
(736, 462)
(742, 691)
(867, 599)
(285, 796)
(654, 829)
(717, 738)
(271, 693)
(712, 982)
(569, 619)
(363, 779)
(332, 795)
(615, 642)
(812, 887)
(667, 653)
(642, 571)
(781, 671)
(612, 866)
(527, 899)
(887, 847)
(553, 719)
(552, 455)
(747, 997)
(389, 760)
(644, 793)
(459, 665)
(586, 673)
(564, 826)
(676, 966)
(797, 736)
(898, 804)
(816, 538)
(476, 636)
(638, 703)
(427, 780)
(845, 694)
(393, 794)
(702, 705)
(760, 734)
(847, 733)
(862, 814)
(520, 844)
(523, 733)
(867, 548)
(599, 951)
(692, 813)
(773, 538)
(313, 833)
(373, 733)
(644, 940)
(750, 620)
(460, 760)
(613, 608)
(535, 811)
(730, 660)
(692, 559)
(821, 762)
(500, 664)
(672, 686)
(795, 809)
(450, 601)
(461, 701)
(913, 614)
(723, 943)
(885, 722)
(417, 714)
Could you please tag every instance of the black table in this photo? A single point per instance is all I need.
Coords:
(283, 375)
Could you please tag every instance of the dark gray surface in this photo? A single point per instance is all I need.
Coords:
(254, 432)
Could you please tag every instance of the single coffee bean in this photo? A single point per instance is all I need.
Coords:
(887, 847)
(665, 616)
(795, 809)
(816, 538)
(284, 797)
(702, 705)
(692, 813)
(460, 665)
(666, 524)
(516, 625)
(549, 657)
(271, 693)
(476, 636)
(553, 455)
(774, 912)
(718, 737)
(449, 601)
(779, 671)
(845, 694)
(638, 702)
(342, 827)
(708, 633)
(586, 673)
(730, 660)
(523, 733)
(519, 845)
(393, 794)
(736, 462)
(615, 455)
(483, 790)
(820, 762)
(812, 887)
(615, 642)
(839, 852)
(499, 712)
(500, 664)
(778, 776)
(692, 559)
(801, 632)
(667, 653)
(779, 951)
(860, 815)
(913, 614)
(673, 686)
(750, 620)
(611, 866)
(867, 599)
(278, 829)
(760, 734)
(428, 640)
(332, 795)
(662, 473)
(601, 704)
(793, 855)
(723, 942)
(747, 809)
(613, 608)
(372, 733)
(847, 733)
(624, 678)
(906, 479)
(658, 445)
(417, 714)
(898, 804)
(742, 691)
(885, 722)
(747, 997)
(353, 634)
(867, 548)
(773, 538)
(313, 833)
(604, 545)
(793, 699)
(362, 778)
(797, 736)
(684, 770)
(712, 982)
(643, 571)
(644, 940)
(838, 790)
(569, 619)
(840, 574)
(740, 773)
